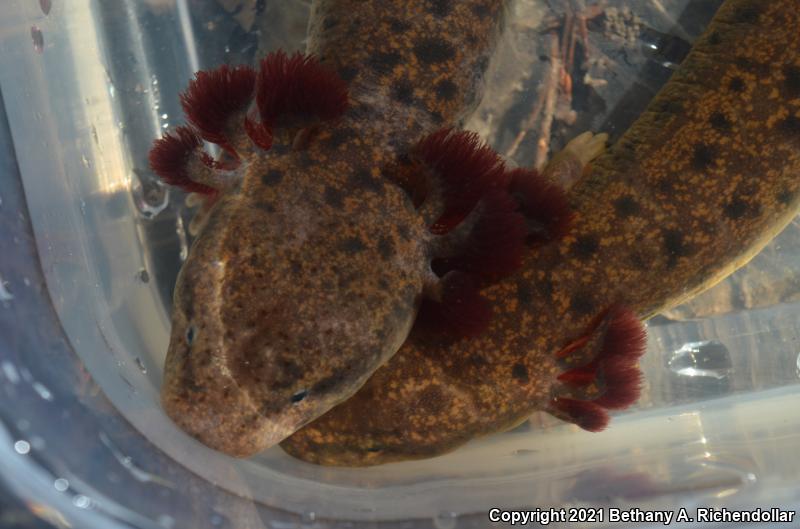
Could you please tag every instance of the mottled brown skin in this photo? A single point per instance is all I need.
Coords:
(706, 176)
(308, 273)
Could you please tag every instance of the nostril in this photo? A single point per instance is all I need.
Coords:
(300, 395)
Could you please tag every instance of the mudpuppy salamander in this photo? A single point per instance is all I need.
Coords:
(338, 186)
(702, 180)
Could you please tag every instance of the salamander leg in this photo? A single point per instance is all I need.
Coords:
(568, 165)
(600, 370)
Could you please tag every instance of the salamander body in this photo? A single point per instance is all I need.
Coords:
(312, 260)
(702, 180)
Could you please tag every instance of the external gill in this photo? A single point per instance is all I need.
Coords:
(243, 112)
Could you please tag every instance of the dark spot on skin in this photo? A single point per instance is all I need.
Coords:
(265, 206)
(383, 283)
(481, 65)
(334, 197)
(279, 148)
(713, 38)
(785, 197)
(674, 246)
(272, 177)
(758, 68)
(480, 10)
(446, 90)
(398, 26)
(362, 179)
(296, 267)
(304, 159)
(748, 14)
(791, 125)
(737, 85)
(326, 384)
(585, 246)
(720, 122)
(374, 449)
(792, 82)
(665, 185)
(638, 261)
(478, 360)
(383, 62)
(399, 311)
(300, 395)
(668, 106)
(339, 136)
(290, 373)
(433, 50)
(545, 288)
(524, 293)
(190, 332)
(703, 156)
(431, 400)
(626, 206)
(404, 233)
(520, 372)
(403, 91)
(345, 280)
(353, 245)
(437, 117)
(440, 8)
(386, 248)
(736, 209)
(348, 73)
(330, 22)
(582, 304)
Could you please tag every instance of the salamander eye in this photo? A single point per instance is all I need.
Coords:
(299, 396)
(190, 332)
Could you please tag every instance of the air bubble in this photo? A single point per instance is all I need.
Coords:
(43, 392)
(143, 276)
(141, 365)
(22, 447)
(5, 295)
(61, 484)
(82, 502)
(10, 372)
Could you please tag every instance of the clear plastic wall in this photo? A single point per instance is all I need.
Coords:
(91, 244)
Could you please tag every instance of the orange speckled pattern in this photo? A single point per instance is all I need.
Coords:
(706, 176)
(413, 66)
(308, 273)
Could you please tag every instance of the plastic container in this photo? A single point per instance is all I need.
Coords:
(91, 244)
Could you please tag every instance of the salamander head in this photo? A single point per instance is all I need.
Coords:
(290, 298)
